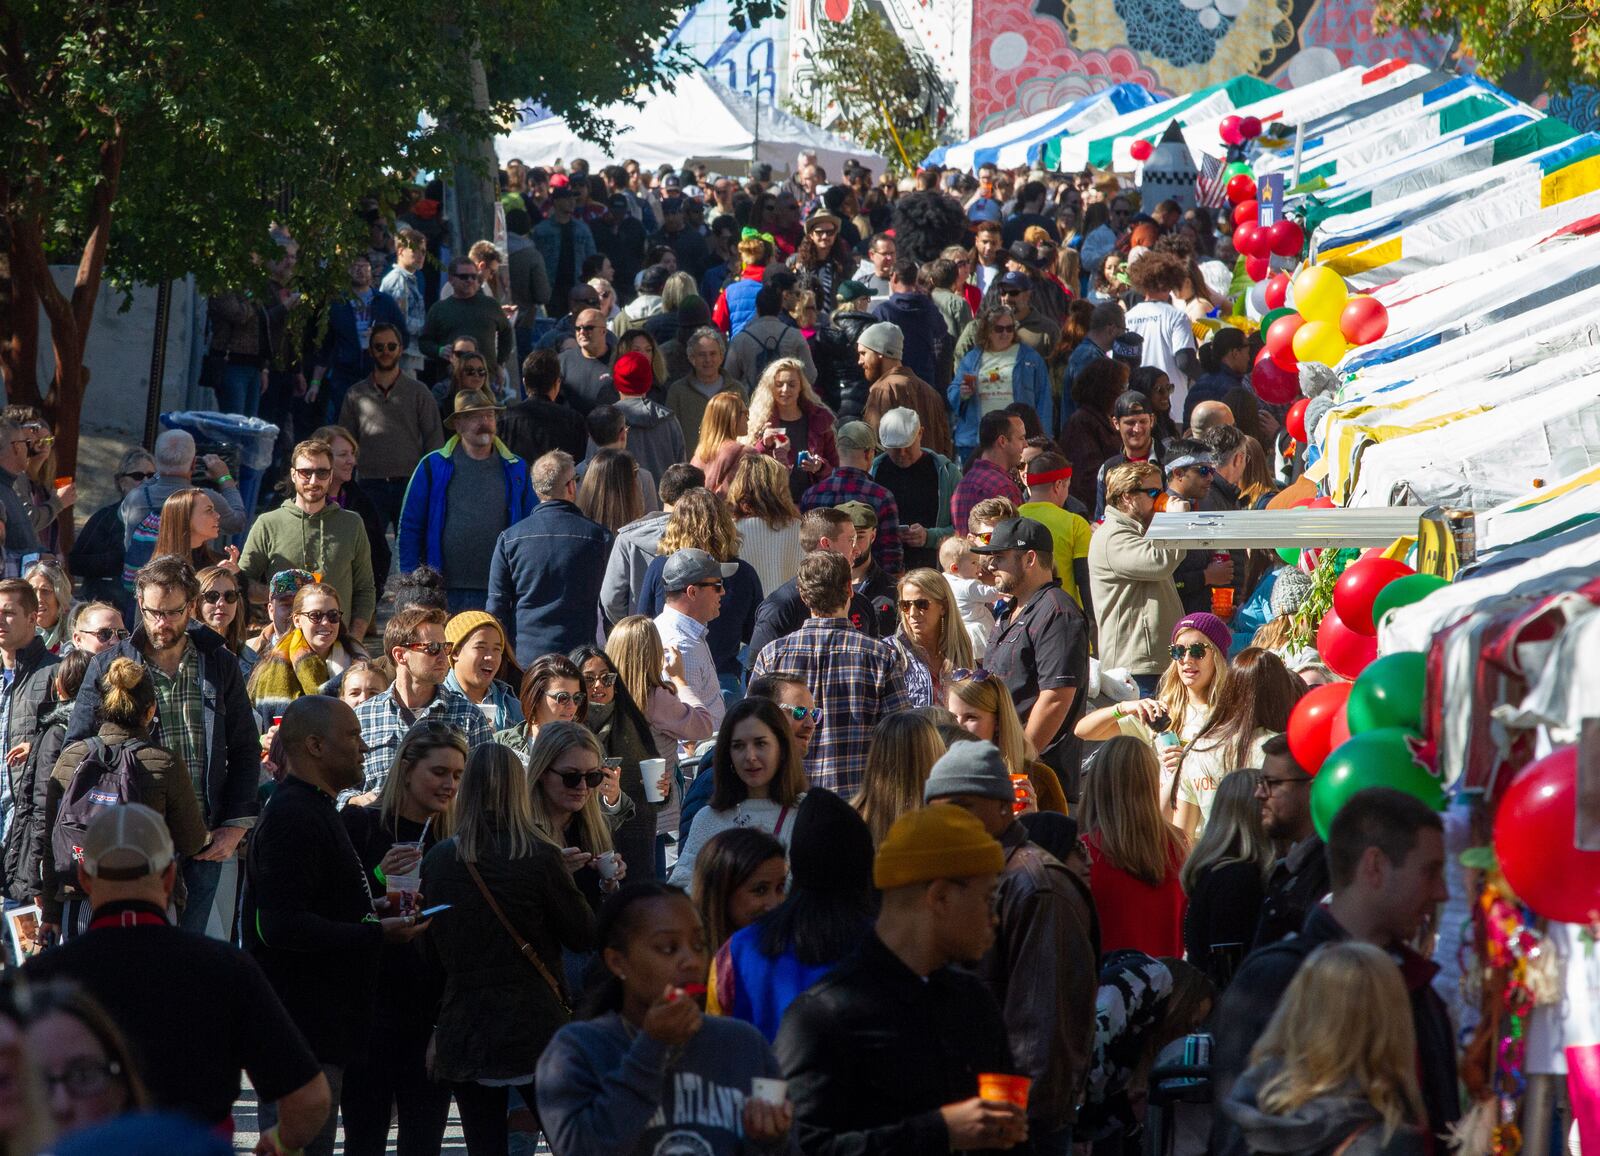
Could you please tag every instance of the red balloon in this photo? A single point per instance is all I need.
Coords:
(1229, 130)
(1246, 211)
(1140, 150)
(1323, 502)
(1240, 188)
(1244, 238)
(1311, 722)
(1295, 421)
(1277, 290)
(1280, 337)
(1358, 586)
(1364, 320)
(1533, 839)
(1274, 384)
(1287, 238)
(1257, 268)
(1339, 731)
(1346, 652)
(1250, 127)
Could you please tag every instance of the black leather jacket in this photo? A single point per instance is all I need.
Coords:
(840, 381)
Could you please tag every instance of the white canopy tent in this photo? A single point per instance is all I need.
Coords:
(700, 119)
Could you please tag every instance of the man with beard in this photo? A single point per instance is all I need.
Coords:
(1136, 424)
(1041, 649)
(202, 715)
(1299, 879)
(883, 1054)
(343, 359)
(308, 912)
(893, 383)
(867, 578)
(394, 419)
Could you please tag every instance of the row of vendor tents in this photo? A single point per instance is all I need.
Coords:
(1475, 219)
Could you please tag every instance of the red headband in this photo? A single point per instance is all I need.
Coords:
(1062, 475)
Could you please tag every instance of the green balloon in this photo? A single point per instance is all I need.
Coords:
(1269, 318)
(1236, 168)
(1289, 554)
(1405, 591)
(1380, 758)
(1389, 693)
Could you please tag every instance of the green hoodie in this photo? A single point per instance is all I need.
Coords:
(332, 542)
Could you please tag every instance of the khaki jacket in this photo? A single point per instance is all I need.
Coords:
(1135, 601)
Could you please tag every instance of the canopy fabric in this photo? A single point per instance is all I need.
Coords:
(1065, 153)
(698, 119)
(1013, 145)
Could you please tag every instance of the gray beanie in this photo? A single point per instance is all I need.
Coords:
(1289, 590)
(883, 338)
(1316, 378)
(969, 768)
(1318, 409)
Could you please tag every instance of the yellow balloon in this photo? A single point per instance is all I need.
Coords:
(1320, 294)
(1319, 341)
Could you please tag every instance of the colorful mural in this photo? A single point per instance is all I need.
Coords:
(753, 61)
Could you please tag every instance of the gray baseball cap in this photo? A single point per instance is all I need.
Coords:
(689, 567)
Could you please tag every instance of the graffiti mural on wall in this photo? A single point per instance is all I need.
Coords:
(935, 32)
(748, 60)
(1029, 55)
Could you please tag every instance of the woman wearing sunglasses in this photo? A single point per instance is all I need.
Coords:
(932, 636)
(983, 708)
(997, 371)
(1181, 706)
(97, 552)
(566, 767)
(221, 605)
(624, 734)
(307, 660)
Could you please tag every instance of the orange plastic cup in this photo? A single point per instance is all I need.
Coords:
(999, 1088)
(1222, 601)
(1019, 793)
(64, 480)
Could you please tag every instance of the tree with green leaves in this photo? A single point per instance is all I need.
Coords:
(862, 82)
(144, 140)
(1559, 38)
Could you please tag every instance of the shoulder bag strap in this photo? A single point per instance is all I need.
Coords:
(783, 814)
(523, 945)
(1351, 1139)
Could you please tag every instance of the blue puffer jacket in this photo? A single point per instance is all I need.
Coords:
(544, 581)
(421, 536)
(741, 296)
(1030, 384)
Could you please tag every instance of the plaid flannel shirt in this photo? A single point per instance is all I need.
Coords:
(383, 726)
(181, 710)
(856, 681)
(982, 480)
(848, 484)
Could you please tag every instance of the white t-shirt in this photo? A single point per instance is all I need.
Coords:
(1166, 330)
(1204, 767)
(995, 390)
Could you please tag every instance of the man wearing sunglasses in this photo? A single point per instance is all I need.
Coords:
(586, 366)
(693, 580)
(308, 532)
(471, 313)
(343, 359)
(1190, 470)
(1135, 600)
(564, 243)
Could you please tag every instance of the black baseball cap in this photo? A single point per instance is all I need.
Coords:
(1014, 280)
(1131, 402)
(1018, 534)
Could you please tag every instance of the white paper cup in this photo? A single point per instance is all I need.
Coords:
(650, 770)
(607, 864)
(769, 1091)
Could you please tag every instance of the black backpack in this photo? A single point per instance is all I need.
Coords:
(105, 778)
(766, 354)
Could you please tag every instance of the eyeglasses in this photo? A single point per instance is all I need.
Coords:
(1195, 650)
(214, 596)
(976, 674)
(607, 679)
(1273, 784)
(83, 1078)
(800, 713)
(565, 697)
(139, 475)
(385, 346)
(155, 613)
(1002, 329)
(314, 474)
(431, 649)
(571, 779)
(105, 634)
(907, 605)
(318, 617)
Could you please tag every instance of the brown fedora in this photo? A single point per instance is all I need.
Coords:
(472, 401)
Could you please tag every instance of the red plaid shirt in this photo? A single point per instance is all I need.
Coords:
(848, 484)
(983, 480)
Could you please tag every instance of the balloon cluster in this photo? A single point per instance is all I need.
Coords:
(1235, 130)
(1366, 733)
(1322, 325)
(1534, 827)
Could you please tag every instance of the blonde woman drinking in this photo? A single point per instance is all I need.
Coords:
(983, 708)
(565, 769)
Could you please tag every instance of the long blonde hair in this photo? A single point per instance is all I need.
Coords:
(420, 741)
(1119, 804)
(494, 801)
(760, 489)
(1171, 694)
(720, 425)
(700, 521)
(556, 739)
(1233, 833)
(761, 400)
(1346, 1019)
(955, 644)
(904, 748)
(634, 647)
(990, 694)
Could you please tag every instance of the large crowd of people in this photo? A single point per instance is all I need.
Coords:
(705, 687)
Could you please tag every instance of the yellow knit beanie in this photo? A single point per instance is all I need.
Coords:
(937, 842)
(463, 624)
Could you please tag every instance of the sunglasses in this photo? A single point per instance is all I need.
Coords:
(474, 371)
(975, 674)
(465, 276)
(1203, 471)
(139, 475)
(981, 539)
(1002, 329)
(318, 617)
(799, 713)
(1195, 650)
(1152, 494)
(385, 346)
(431, 649)
(607, 679)
(315, 474)
(564, 697)
(907, 605)
(717, 585)
(106, 633)
(587, 328)
(571, 779)
(214, 596)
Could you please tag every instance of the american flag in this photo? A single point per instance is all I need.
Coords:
(1211, 188)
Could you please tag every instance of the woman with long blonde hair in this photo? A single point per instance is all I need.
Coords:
(768, 520)
(788, 418)
(565, 769)
(932, 635)
(501, 1004)
(1335, 1071)
(1224, 878)
(983, 708)
(726, 420)
(904, 748)
(1135, 855)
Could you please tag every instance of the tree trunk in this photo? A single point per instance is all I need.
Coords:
(476, 166)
